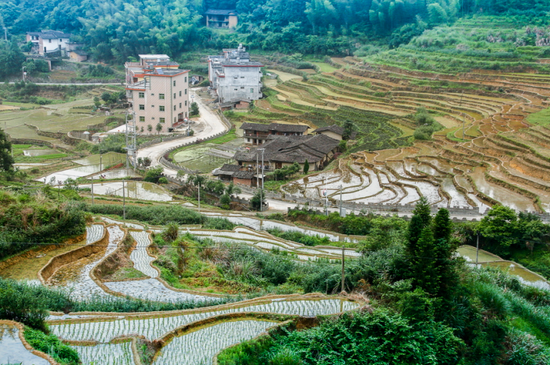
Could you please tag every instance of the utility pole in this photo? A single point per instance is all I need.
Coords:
(92, 189)
(325, 193)
(262, 189)
(343, 268)
(199, 197)
(477, 250)
(100, 162)
(123, 201)
(340, 199)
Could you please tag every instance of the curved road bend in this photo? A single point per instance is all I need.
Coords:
(212, 125)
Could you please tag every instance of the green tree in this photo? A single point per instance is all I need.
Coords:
(443, 253)
(97, 102)
(349, 129)
(258, 200)
(225, 201)
(149, 128)
(306, 167)
(194, 109)
(499, 229)
(424, 268)
(106, 97)
(158, 128)
(6, 161)
(12, 57)
(153, 175)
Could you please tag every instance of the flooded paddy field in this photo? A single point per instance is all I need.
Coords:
(12, 350)
(132, 189)
(208, 156)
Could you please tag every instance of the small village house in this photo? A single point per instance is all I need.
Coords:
(48, 41)
(216, 18)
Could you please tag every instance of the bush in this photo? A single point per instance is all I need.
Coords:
(163, 180)
(154, 175)
(52, 346)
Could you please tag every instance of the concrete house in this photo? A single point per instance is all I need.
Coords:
(221, 18)
(158, 91)
(333, 131)
(48, 41)
(257, 133)
(234, 77)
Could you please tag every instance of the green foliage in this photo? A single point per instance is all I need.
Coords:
(11, 55)
(300, 237)
(52, 346)
(306, 167)
(503, 230)
(382, 337)
(153, 175)
(27, 221)
(225, 201)
(163, 180)
(194, 110)
(286, 172)
(258, 200)
(6, 160)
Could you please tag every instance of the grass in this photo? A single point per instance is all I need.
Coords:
(325, 67)
(540, 118)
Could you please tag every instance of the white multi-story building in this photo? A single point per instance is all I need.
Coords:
(234, 77)
(48, 41)
(158, 92)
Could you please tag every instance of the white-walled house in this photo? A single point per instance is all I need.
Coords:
(48, 41)
(234, 77)
(158, 92)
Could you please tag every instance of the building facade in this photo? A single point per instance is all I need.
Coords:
(216, 18)
(234, 77)
(48, 41)
(257, 133)
(158, 92)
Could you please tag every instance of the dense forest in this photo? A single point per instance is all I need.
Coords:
(115, 30)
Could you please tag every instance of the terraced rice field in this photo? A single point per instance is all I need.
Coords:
(199, 347)
(116, 354)
(140, 257)
(104, 331)
(487, 153)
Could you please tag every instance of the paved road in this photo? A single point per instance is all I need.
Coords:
(213, 125)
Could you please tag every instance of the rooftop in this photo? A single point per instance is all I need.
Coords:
(333, 128)
(220, 12)
(154, 56)
(50, 34)
(278, 127)
(292, 149)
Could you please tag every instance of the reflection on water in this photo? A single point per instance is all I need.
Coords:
(133, 190)
(33, 153)
(12, 350)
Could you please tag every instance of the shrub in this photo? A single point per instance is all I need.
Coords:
(52, 346)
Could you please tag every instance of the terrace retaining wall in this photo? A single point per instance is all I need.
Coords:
(58, 261)
(21, 332)
(32, 252)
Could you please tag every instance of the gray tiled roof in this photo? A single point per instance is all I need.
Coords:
(333, 128)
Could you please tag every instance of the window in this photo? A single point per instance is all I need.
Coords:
(161, 108)
(174, 108)
(141, 107)
(180, 105)
(141, 95)
(50, 40)
(185, 91)
(185, 79)
(242, 87)
(142, 119)
(185, 102)
(162, 120)
(174, 83)
(161, 96)
(252, 90)
(180, 92)
(174, 95)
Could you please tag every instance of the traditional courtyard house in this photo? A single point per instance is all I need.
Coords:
(257, 133)
(333, 131)
(234, 77)
(48, 41)
(158, 92)
(278, 152)
(216, 18)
